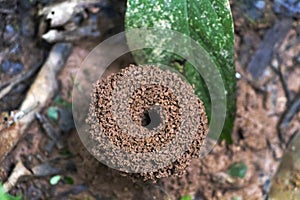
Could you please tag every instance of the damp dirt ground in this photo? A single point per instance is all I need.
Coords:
(260, 105)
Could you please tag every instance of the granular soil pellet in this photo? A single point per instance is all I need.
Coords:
(155, 98)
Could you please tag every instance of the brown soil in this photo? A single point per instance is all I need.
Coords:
(260, 105)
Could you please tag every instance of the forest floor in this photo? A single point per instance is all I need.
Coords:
(267, 48)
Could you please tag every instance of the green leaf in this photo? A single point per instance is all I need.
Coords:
(238, 169)
(65, 152)
(209, 22)
(237, 198)
(52, 113)
(59, 101)
(55, 180)
(186, 197)
(6, 196)
(69, 180)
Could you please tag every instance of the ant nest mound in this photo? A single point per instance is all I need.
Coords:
(146, 111)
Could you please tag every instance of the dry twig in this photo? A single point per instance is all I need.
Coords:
(44, 89)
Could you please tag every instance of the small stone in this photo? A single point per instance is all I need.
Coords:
(260, 4)
(9, 32)
(11, 68)
(66, 122)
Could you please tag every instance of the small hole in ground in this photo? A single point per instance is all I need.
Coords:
(151, 119)
(146, 119)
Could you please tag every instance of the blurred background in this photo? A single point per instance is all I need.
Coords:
(42, 45)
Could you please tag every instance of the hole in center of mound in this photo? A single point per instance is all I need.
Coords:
(151, 119)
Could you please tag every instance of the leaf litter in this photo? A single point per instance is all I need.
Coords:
(256, 143)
